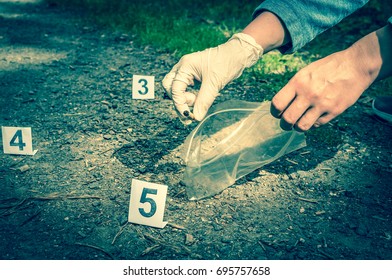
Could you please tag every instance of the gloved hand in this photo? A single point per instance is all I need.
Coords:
(214, 68)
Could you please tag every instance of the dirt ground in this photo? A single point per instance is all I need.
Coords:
(71, 82)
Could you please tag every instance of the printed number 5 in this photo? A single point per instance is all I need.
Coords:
(145, 199)
(143, 83)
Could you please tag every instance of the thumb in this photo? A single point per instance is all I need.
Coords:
(204, 100)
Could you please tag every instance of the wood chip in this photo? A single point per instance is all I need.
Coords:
(175, 226)
(307, 199)
(292, 161)
(24, 168)
(151, 249)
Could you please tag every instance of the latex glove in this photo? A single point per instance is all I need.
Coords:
(214, 68)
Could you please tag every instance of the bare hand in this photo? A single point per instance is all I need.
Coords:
(320, 91)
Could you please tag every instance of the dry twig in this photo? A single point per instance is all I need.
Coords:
(96, 248)
(307, 199)
(119, 233)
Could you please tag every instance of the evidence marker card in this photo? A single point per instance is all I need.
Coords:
(147, 204)
(143, 87)
(17, 140)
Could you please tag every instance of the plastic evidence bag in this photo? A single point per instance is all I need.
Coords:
(237, 138)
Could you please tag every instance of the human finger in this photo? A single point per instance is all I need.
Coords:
(324, 119)
(308, 119)
(180, 97)
(282, 100)
(295, 110)
(168, 80)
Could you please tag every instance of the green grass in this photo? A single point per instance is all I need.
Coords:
(176, 26)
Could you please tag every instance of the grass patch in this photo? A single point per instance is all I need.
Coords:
(176, 26)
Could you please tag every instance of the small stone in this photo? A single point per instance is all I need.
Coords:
(226, 239)
(142, 169)
(107, 137)
(302, 210)
(106, 116)
(302, 174)
(217, 227)
(189, 239)
(96, 203)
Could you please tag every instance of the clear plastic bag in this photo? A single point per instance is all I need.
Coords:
(237, 138)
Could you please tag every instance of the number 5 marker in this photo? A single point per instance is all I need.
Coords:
(17, 140)
(147, 204)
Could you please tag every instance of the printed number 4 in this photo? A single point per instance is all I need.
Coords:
(145, 199)
(143, 83)
(18, 136)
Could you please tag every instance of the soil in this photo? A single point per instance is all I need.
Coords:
(71, 82)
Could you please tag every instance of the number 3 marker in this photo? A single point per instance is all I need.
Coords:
(147, 204)
(17, 140)
(142, 87)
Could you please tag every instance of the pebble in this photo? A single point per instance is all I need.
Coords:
(142, 169)
(96, 203)
(106, 116)
(226, 239)
(217, 227)
(302, 174)
(189, 239)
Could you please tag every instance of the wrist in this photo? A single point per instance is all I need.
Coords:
(253, 50)
(372, 54)
(268, 31)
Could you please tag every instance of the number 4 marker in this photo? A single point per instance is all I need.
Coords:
(147, 204)
(17, 140)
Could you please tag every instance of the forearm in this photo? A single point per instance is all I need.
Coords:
(268, 31)
(373, 53)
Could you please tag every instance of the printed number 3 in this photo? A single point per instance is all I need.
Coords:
(143, 83)
(145, 199)
(18, 136)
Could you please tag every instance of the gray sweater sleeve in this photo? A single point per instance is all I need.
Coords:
(308, 18)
